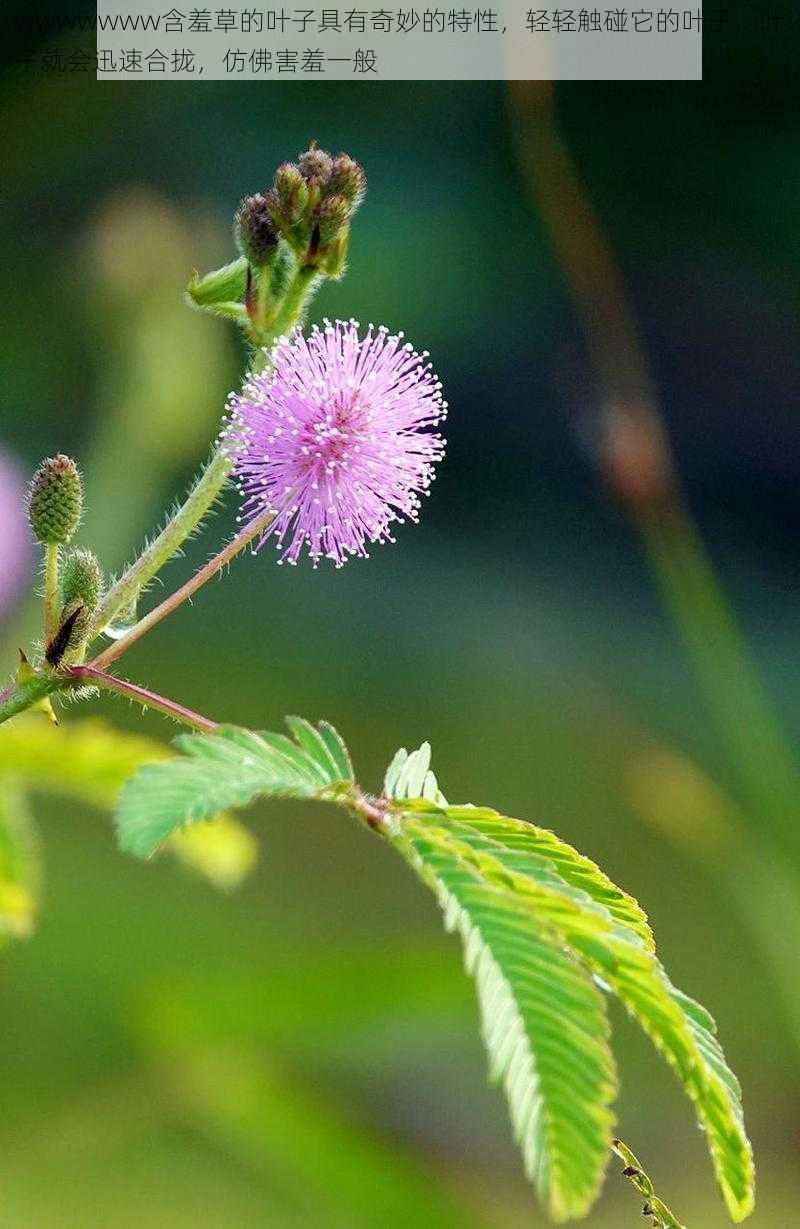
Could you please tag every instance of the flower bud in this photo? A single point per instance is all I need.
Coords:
(82, 579)
(347, 179)
(334, 260)
(55, 500)
(288, 197)
(332, 216)
(315, 167)
(254, 230)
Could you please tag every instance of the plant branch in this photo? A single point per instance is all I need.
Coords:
(186, 591)
(654, 1207)
(50, 589)
(90, 676)
(21, 696)
(124, 593)
(301, 288)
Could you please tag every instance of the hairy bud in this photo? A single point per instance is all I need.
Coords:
(82, 579)
(288, 198)
(334, 260)
(55, 500)
(254, 230)
(332, 216)
(315, 167)
(347, 179)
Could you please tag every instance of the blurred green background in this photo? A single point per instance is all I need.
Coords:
(304, 1052)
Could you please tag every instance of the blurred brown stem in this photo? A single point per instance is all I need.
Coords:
(634, 455)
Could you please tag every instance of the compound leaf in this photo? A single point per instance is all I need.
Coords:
(229, 768)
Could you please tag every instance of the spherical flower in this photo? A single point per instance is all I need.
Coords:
(335, 436)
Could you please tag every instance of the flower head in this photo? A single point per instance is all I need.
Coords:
(55, 500)
(335, 437)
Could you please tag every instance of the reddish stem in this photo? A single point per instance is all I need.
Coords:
(91, 676)
(176, 599)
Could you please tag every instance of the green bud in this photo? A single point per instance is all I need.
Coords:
(55, 500)
(332, 216)
(82, 578)
(280, 275)
(347, 179)
(334, 260)
(288, 198)
(315, 167)
(254, 230)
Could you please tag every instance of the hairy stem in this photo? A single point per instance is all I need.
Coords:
(655, 1208)
(90, 676)
(50, 589)
(186, 591)
(20, 696)
(124, 593)
(301, 288)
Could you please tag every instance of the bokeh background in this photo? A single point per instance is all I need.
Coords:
(304, 1052)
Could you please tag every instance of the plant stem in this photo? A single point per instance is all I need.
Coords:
(50, 589)
(301, 287)
(186, 591)
(760, 752)
(20, 696)
(653, 1207)
(124, 593)
(90, 676)
(637, 458)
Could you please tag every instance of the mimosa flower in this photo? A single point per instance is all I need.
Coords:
(335, 436)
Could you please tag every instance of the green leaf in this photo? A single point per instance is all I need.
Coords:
(90, 761)
(409, 776)
(222, 850)
(543, 1022)
(86, 760)
(544, 931)
(526, 841)
(229, 768)
(222, 288)
(617, 954)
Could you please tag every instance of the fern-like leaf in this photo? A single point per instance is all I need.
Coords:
(543, 930)
(229, 768)
(410, 776)
(543, 1022)
(681, 1030)
(530, 844)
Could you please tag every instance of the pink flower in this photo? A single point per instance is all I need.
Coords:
(335, 437)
